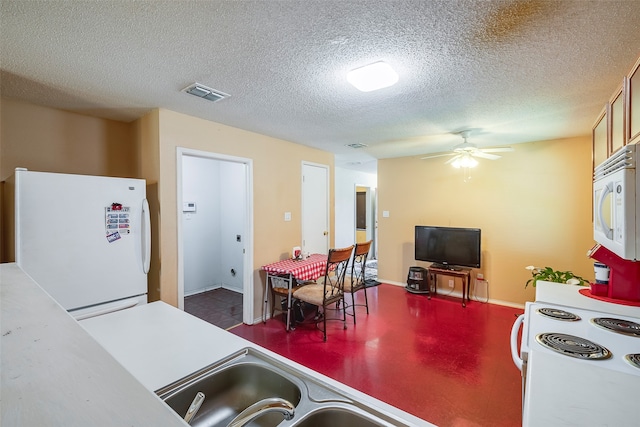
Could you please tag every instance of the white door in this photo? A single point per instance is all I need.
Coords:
(315, 208)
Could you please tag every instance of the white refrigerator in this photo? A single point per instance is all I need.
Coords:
(86, 240)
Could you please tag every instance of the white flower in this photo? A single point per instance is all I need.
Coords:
(573, 281)
(530, 267)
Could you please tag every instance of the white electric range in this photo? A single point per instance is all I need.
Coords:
(601, 386)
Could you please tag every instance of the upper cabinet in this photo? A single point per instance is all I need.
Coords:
(618, 134)
(619, 122)
(633, 101)
(601, 138)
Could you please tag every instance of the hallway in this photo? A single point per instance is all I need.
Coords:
(432, 358)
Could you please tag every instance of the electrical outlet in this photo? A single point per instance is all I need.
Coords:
(450, 283)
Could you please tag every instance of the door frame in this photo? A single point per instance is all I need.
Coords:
(247, 286)
(372, 208)
(302, 200)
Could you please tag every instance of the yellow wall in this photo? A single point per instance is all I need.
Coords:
(533, 206)
(49, 140)
(277, 166)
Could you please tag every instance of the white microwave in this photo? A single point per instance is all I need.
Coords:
(616, 205)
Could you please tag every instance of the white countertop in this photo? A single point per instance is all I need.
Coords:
(160, 344)
(55, 374)
(569, 295)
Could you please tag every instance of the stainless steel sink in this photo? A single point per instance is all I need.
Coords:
(340, 416)
(249, 376)
(230, 387)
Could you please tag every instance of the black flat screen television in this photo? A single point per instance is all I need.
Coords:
(448, 247)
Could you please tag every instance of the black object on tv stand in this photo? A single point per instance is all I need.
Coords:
(445, 267)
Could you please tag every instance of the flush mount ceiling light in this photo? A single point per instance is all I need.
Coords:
(204, 92)
(373, 76)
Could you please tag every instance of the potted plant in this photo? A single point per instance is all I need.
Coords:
(548, 274)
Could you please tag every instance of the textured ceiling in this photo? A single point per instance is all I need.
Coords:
(513, 71)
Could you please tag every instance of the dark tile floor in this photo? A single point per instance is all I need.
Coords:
(433, 358)
(220, 307)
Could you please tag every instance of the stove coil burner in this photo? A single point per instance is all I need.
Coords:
(573, 346)
(558, 314)
(633, 359)
(620, 326)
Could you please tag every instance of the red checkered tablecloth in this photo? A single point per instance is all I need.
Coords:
(305, 269)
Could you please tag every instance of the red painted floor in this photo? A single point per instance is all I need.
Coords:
(444, 363)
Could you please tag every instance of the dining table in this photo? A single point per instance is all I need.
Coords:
(290, 271)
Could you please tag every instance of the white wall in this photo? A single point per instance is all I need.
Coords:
(346, 181)
(232, 217)
(209, 234)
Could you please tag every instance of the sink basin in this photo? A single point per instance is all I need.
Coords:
(339, 417)
(229, 390)
(249, 376)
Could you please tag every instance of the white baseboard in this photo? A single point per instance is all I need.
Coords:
(458, 294)
(211, 288)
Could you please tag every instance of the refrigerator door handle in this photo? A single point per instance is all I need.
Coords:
(146, 236)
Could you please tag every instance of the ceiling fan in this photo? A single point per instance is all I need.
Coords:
(464, 154)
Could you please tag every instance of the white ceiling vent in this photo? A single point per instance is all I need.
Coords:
(202, 91)
(357, 145)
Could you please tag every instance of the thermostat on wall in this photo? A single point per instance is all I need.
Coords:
(189, 207)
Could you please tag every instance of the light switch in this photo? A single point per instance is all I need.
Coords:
(287, 216)
(385, 214)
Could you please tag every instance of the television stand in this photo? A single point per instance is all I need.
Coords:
(463, 273)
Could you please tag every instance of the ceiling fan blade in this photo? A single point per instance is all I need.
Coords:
(497, 149)
(437, 155)
(485, 155)
(452, 159)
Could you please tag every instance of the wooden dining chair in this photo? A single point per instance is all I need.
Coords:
(328, 289)
(355, 281)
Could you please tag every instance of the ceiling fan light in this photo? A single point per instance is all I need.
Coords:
(372, 77)
(464, 161)
(469, 162)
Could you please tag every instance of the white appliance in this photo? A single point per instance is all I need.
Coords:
(615, 204)
(600, 384)
(86, 240)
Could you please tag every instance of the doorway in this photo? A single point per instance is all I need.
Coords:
(215, 236)
(366, 226)
(365, 216)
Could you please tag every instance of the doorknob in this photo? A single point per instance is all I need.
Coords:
(325, 233)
